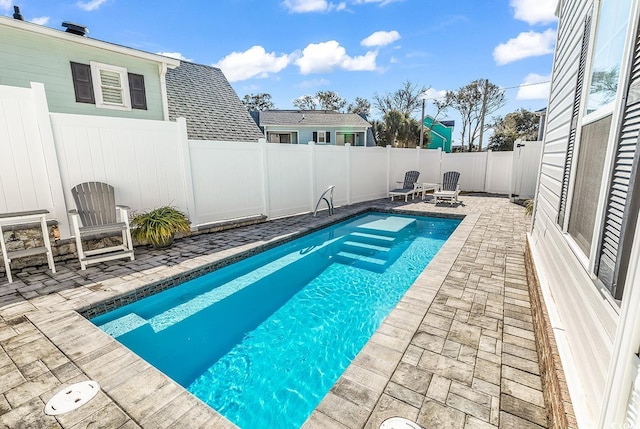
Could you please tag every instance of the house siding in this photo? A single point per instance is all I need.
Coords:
(31, 57)
(586, 317)
(305, 135)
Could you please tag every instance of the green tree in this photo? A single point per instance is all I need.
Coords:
(378, 129)
(329, 100)
(399, 130)
(521, 124)
(306, 102)
(255, 102)
(405, 100)
(360, 106)
(474, 102)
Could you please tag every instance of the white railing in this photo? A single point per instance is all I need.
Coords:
(152, 163)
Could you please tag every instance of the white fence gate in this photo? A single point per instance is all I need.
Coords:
(526, 165)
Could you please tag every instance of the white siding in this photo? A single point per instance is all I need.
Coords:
(586, 318)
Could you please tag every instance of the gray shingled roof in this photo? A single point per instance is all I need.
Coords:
(203, 96)
(311, 118)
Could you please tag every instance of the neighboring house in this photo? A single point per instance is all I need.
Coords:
(585, 239)
(91, 77)
(319, 126)
(440, 135)
(83, 75)
(203, 96)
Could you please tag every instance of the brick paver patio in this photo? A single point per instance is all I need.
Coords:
(457, 352)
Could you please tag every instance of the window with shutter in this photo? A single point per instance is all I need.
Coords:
(574, 121)
(110, 86)
(320, 137)
(623, 201)
(328, 140)
(82, 84)
(136, 88)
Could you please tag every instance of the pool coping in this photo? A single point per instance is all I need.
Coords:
(135, 385)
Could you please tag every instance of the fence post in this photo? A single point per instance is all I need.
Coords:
(312, 171)
(266, 196)
(441, 154)
(348, 161)
(183, 141)
(50, 157)
(389, 170)
(486, 169)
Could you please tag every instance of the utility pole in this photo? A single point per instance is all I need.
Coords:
(483, 112)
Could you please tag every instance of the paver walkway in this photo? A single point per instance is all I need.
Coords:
(457, 352)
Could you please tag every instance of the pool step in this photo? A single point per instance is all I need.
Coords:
(390, 227)
(377, 239)
(360, 248)
(362, 261)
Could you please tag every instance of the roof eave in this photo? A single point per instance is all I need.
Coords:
(74, 38)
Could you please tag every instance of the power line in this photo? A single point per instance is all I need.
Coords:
(527, 84)
(509, 87)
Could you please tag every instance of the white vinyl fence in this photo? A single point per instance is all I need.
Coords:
(152, 164)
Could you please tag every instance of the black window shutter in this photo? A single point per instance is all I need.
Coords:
(574, 121)
(136, 89)
(315, 136)
(82, 83)
(328, 137)
(623, 201)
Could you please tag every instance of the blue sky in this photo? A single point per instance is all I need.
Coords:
(353, 47)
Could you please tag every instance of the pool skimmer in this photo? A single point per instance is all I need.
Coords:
(71, 398)
(399, 423)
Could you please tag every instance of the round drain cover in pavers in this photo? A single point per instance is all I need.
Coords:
(399, 423)
(71, 398)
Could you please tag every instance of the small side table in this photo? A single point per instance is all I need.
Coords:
(428, 187)
(18, 218)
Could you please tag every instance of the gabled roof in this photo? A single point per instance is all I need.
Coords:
(318, 118)
(213, 111)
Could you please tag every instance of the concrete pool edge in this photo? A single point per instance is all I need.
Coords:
(77, 338)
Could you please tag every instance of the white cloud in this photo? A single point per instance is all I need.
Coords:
(434, 94)
(305, 6)
(529, 44)
(40, 20)
(393, 60)
(380, 38)
(176, 55)
(5, 4)
(253, 62)
(534, 11)
(90, 5)
(325, 56)
(534, 87)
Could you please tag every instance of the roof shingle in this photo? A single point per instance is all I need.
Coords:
(203, 96)
(311, 118)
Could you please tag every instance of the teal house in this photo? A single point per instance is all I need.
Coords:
(440, 135)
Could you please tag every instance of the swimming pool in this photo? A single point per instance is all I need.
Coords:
(263, 340)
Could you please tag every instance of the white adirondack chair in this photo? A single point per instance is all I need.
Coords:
(99, 214)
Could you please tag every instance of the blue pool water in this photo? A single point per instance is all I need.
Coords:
(263, 340)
